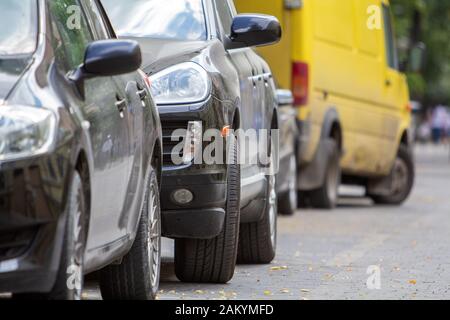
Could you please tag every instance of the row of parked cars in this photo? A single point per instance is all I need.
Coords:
(92, 95)
(104, 106)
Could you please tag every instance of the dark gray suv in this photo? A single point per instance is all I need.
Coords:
(206, 77)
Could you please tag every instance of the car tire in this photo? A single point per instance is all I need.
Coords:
(137, 276)
(288, 201)
(258, 240)
(214, 260)
(404, 175)
(69, 279)
(326, 197)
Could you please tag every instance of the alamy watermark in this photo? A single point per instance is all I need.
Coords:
(374, 280)
(213, 146)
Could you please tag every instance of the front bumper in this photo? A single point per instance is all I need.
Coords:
(32, 194)
(203, 217)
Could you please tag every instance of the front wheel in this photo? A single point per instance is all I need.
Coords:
(137, 277)
(214, 260)
(69, 280)
(402, 175)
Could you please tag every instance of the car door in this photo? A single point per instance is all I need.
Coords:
(102, 113)
(132, 91)
(248, 89)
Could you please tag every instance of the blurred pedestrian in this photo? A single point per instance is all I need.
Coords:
(447, 126)
(439, 123)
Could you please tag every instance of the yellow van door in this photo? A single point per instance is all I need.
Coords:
(347, 65)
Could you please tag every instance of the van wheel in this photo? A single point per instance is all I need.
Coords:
(258, 240)
(214, 260)
(403, 175)
(137, 277)
(326, 196)
(69, 280)
(288, 201)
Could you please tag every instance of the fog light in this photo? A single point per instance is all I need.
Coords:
(183, 196)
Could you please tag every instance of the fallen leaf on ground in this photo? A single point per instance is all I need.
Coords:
(267, 293)
(279, 268)
(412, 281)
(285, 291)
(304, 290)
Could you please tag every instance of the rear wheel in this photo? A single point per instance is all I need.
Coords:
(258, 240)
(326, 196)
(137, 277)
(214, 260)
(402, 175)
(288, 201)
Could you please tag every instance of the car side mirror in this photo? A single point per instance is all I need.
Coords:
(417, 58)
(285, 98)
(107, 58)
(251, 30)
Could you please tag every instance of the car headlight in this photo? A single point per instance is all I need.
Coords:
(25, 131)
(183, 83)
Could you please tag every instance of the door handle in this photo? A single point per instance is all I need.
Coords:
(142, 93)
(121, 105)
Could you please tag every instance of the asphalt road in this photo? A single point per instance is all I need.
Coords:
(326, 254)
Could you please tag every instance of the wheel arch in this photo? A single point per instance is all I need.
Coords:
(236, 120)
(404, 138)
(332, 127)
(82, 167)
(156, 160)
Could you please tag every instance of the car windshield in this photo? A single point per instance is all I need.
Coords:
(18, 27)
(162, 19)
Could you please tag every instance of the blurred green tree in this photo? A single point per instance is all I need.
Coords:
(427, 21)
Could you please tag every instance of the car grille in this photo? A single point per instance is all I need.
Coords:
(13, 244)
(168, 127)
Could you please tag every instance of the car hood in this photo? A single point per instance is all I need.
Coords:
(158, 54)
(10, 72)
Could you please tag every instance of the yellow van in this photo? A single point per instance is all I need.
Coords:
(339, 59)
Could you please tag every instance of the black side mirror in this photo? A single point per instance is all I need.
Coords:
(250, 30)
(417, 57)
(285, 98)
(107, 58)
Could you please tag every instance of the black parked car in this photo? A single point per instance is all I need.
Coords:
(80, 154)
(287, 177)
(205, 75)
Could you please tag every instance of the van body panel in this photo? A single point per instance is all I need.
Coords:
(349, 47)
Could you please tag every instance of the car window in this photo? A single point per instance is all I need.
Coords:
(162, 19)
(19, 26)
(391, 50)
(71, 27)
(96, 19)
(225, 15)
